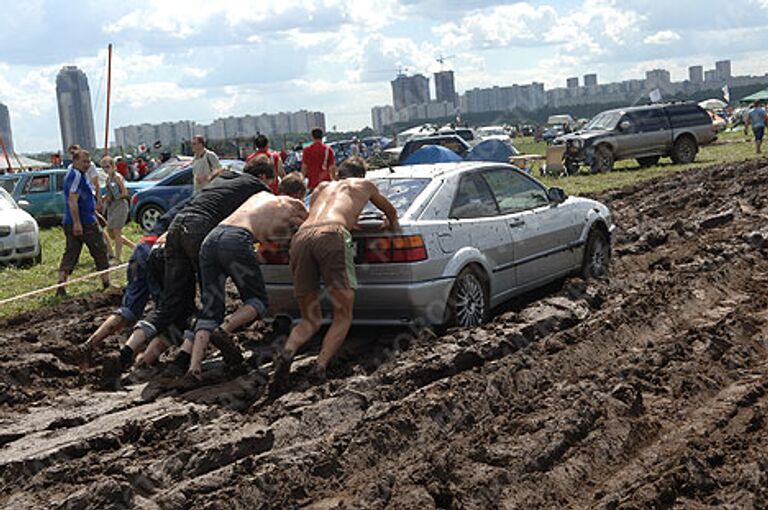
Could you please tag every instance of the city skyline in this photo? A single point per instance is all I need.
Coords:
(202, 61)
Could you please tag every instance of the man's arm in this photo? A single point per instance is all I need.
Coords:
(280, 169)
(77, 227)
(385, 206)
(304, 168)
(215, 165)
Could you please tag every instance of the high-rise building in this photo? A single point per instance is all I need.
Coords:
(710, 75)
(5, 127)
(75, 113)
(590, 80)
(657, 78)
(572, 83)
(696, 74)
(408, 90)
(722, 70)
(445, 88)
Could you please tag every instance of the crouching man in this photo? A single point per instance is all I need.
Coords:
(228, 251)
(323, 247)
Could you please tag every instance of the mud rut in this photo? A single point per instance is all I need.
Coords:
(644, 391)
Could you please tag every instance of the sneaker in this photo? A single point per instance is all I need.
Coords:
(229, 351)
(110, 373)
(61, 292)
(84, 355)
(282, 374)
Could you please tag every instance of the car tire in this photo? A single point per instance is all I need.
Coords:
(648, 161)
(684, 150)
(603, 160)
(597, 255)
(148, 215)
(468, 302)
(39, 257)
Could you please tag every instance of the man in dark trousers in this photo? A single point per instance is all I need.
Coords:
(207, 209)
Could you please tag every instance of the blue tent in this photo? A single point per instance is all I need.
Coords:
(494, 149)
(431, 154)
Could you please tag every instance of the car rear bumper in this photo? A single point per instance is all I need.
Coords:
(19, 247)
(378, 304)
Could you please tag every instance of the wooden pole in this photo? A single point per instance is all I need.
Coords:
(109, 90)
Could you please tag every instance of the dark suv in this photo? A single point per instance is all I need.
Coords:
(645, 133)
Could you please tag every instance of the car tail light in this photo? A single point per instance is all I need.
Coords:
(381, 250)
(273, 252)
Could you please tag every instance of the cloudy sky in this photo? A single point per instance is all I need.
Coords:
(202, 59)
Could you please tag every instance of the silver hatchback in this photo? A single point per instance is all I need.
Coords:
(472, 236)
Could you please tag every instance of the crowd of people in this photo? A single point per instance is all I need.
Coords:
(209, 238)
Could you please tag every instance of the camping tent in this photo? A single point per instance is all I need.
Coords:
(431, 154)
(26, 163)
(757, 96)
(493, 149)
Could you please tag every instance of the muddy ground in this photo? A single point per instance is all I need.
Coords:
(644, 391)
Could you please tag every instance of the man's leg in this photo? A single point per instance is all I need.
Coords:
(243, 316)
(343, 300)
(156, 347)
(202, 336)
(94, 240)
(73, 247)
(112, 325)
(310, 323)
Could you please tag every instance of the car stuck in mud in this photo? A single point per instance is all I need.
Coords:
(473, 236)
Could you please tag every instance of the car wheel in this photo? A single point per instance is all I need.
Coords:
(684, 150)
(468, 302)
(603, 160)
(39, 257)
(649, 161)
(148, 216)
(597, 255)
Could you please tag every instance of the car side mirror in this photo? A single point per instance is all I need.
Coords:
(23, 203)
(625, 125)
(556, 195)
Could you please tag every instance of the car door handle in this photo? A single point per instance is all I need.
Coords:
(516, 223)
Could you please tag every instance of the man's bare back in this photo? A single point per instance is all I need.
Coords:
(341, 202)
(266, 215)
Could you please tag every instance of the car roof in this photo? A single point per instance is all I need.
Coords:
(629, 109)
(46, 171)
(429, 171)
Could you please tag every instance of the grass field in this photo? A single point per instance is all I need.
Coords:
(731, 147)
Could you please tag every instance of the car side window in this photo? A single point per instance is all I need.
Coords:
(514, 192)
(646, 121)
(181, 180)
(60, 181)
(38, 184)
(473, 199)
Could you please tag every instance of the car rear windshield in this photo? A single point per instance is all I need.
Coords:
(401, 192)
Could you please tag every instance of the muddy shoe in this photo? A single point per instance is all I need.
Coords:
(61, 292)
(316, 375)
(281, 377)
(84, 355)
(110, 373)
(281, 326)
(229, 351)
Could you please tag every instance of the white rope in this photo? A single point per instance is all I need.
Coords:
(61, 285)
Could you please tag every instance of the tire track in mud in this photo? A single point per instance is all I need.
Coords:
(644, 391)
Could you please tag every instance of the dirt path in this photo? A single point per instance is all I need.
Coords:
(645, 391)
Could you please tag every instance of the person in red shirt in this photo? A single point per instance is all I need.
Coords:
(122, 167)
(142, 167)
(318, 162)
(261, 144)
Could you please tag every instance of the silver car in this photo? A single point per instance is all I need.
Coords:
(19, 233)
(473, 235)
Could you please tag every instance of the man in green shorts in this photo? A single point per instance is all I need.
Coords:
(323, 247)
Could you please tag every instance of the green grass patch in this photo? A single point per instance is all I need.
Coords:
(19, 280)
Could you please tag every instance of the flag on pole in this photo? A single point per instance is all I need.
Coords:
(726, 94)
(655, 96)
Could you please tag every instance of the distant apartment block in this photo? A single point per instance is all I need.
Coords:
(710, 76)
(75, 112)
(590, 80)
(445, 88)
(723, 70)
(172, 134)
(572, 83)
(696, 74)
(5, 128)
(408, 90)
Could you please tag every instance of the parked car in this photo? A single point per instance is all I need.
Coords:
(164, 188)
(19, 233)
(38, 192)
(473, 235)
(645, 133)
(454, 142)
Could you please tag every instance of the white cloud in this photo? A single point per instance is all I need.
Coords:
(663, 37)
